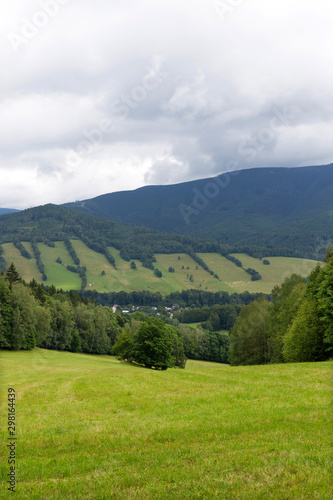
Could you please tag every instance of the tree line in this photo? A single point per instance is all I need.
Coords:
(35, 315)
(295, 326)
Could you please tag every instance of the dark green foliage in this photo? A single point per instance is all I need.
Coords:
(6, 314)
(177, 347)
(248, 337)
(123, 346)
(320, 289)
(109, 257)
(12, 275)
(133, 265)
(304, 339)
(39, 262)
(23, 251)
(171, 269)
(205, 345)
(72, 269)
(285, 209)
(3, 265)
(266, 262)
(232, 259)
(72, 252)
(59, 260)
(103, 273)
(286, 300)
(30, 341)
(185, 298)
(158, 273)
(255, 276)
(152, 345)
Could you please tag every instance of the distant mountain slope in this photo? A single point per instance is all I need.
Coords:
(4, 211)
(289, 207)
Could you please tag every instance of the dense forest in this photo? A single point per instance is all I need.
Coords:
(295, 326)
(264, 207)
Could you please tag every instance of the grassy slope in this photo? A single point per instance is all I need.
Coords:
(272, 275)
(90, 427)
(232, 278)
(57, 274)
(27, 268)
(279, 269)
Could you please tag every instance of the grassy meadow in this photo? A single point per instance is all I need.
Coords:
(232, 278)
(90, 427)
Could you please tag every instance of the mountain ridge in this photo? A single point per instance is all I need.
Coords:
(290, 207)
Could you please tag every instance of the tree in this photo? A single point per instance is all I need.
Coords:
(152, 346)
(123, 346)
(286, 300)
(133, 265)
(158, 273)
(324, 294)
(12, 275)
(304, 340)
(248, 337)
(177, 350)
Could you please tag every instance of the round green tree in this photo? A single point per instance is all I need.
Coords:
(152, 346)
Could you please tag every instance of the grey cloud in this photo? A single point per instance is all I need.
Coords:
(230, 86)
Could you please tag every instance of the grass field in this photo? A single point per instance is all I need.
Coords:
(27, 268)
(272, 275)
(232, 278)
(58, 274)
(89, 427)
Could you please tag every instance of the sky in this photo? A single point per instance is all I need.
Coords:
(106, 96)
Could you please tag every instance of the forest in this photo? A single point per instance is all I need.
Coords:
(33, 315)
(296, 325)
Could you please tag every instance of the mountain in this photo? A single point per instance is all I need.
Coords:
(271, 207)
(4, 211)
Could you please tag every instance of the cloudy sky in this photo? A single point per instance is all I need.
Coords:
(105, 96)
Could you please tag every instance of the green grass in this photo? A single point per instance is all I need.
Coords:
(279, 269)
(89, 427)
(274, 274)
(58, 274)
(27, 268)
(232, 278)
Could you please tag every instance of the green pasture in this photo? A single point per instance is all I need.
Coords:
(58, 274)
(90, 427)
(27, 268)
(278, 270)
(123, 277)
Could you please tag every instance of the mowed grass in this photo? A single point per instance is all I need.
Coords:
(123, 277)
(89, 427)
(274, 274)
(277, 271)
(58, 274)
(180, 279)
(27, 268)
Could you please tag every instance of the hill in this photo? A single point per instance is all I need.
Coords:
(279, 207)
(72, 250)
(4, 211)
(91, 427)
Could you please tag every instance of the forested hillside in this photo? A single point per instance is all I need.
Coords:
(269, 207)
(295, 326)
